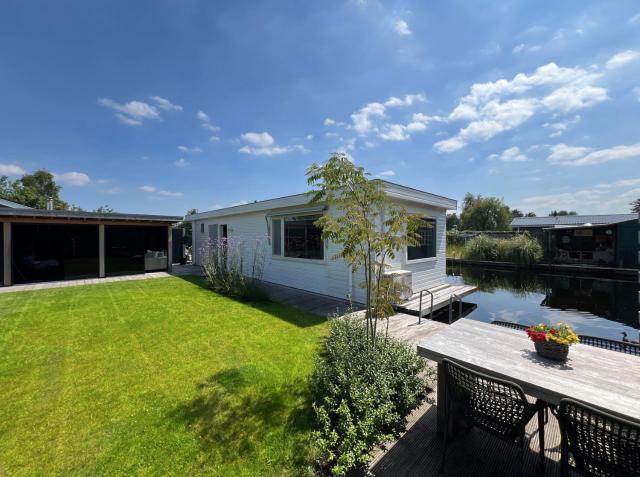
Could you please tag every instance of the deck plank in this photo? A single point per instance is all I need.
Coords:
(441, 299)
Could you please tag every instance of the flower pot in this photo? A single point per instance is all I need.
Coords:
(551, 350)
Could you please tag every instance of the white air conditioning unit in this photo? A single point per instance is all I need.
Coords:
(404, 280)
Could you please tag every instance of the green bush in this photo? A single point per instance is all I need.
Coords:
(363, 393)
(523, 250)
(481, 248)
(454, 237)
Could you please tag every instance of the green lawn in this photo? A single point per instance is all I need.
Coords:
(153, 377)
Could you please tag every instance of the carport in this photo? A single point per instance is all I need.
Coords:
(50, 245)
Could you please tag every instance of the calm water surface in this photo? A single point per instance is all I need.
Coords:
(592, 306)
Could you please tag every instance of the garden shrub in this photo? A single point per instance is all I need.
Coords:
(363, 392)
(481, 248)
(225, 270)
(523, 250)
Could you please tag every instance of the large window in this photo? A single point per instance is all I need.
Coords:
(427, 242)
(302, 239)
(46, 252)
(135, 249)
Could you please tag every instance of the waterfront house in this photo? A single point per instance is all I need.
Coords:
(298, 257)
(605, 240)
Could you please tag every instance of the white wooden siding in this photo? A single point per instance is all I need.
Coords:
(328, 277)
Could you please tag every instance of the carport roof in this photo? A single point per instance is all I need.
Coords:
(93, 216)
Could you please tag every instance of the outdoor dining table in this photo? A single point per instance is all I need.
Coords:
(602, 378)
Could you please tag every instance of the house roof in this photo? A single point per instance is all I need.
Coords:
(563, 220)
(11, 205)
(393, 190)
(94, 216)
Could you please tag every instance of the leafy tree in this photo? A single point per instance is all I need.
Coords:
(187, 237)
(453, 221)
(104, 209)
(484, 213)
(6, 188)
(516, 213)
(635, 206)
(33, 190)
(530, 214)
(561, 213)
(369, 228)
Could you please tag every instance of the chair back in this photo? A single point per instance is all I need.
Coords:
(491, 404)
(600, 444)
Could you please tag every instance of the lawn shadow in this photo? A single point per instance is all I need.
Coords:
(288, 312)
(236, 419)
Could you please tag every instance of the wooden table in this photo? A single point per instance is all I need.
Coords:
(602, 378)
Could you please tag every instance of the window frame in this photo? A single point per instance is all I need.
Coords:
(282, 218)
(433, 258)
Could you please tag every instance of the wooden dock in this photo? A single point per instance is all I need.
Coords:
(441, 295)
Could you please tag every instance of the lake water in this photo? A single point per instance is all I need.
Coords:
(591, 306)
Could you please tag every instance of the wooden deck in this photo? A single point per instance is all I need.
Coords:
(441, 296)
(417, 452)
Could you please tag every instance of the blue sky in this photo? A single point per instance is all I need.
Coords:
(161, 106)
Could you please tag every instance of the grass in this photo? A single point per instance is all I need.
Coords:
(153, 377)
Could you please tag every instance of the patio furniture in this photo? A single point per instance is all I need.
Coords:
(592, 375)
(508, 324)
(599, 443)
(604, 343)
(493, 405)
(613, 345)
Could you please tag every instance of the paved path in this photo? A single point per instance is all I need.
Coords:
(88, 281)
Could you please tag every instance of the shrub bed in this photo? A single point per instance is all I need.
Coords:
(363, 392)
(521, 249)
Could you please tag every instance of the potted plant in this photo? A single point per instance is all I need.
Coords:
(552, 341)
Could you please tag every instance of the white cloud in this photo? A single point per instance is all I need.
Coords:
(362, 119)
(167, 193)
(79, 179)
(584, 156)
(262, 139)
(206, 122)
(154, 190)
(408, 100)
(132, 113)
(622, 58)
(11, 170)
(389, 173)
(180, 162)
(394, 132)
(490, 108)
(210, 127)
(634, 19)
(165, 104)
(309, 137)
(511, 154)
(402, 28)
(525, 48)
(202, 116)
(329, 122)
(214, 139)
(191, 150)
(263, 144)
(561, 126)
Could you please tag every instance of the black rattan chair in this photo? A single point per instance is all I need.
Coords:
(613, 345)
(598, 443)
(508, 324)
(493, 405)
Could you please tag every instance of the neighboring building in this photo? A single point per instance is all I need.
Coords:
(298, 257)
(46, 245)
(7, 204)
(606, 240)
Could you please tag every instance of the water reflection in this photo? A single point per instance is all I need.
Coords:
(592, 306)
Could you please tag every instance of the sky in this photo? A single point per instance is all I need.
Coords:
(163, 106)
